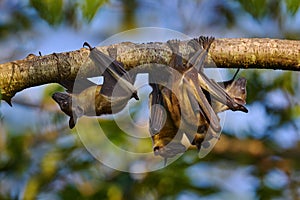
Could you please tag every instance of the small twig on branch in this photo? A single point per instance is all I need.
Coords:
(226, 53)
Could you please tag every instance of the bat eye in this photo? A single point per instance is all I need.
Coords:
(156, 150)
(202, 129)
(64, 105)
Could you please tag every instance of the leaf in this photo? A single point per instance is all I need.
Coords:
(49, 10)
(89, 8)
(46, 101)
(257, 8)
(49, 163)
(114, 132)
(295, 112)
(292, 6)
(31, 189)
(50, 89)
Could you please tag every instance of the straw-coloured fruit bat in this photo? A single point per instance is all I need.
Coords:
(191, 105)
(181, 103)
(112, 96)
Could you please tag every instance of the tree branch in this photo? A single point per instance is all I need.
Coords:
(226, 53)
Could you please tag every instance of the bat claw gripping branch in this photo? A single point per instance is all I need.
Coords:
(88, 45)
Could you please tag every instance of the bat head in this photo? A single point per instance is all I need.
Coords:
(64, 101)
(237, 90)
(168, 149)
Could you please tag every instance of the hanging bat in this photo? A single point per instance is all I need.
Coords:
(167, 142)
(112, 96)
(193, 77)
(193, 94)
(235, 89)
(194, 89)
(166, 136)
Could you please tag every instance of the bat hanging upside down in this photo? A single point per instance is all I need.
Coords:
(112, 96)
(190, 103)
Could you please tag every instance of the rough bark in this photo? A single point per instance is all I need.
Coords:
(226, 53)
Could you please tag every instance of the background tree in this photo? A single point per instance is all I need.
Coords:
(256, 159)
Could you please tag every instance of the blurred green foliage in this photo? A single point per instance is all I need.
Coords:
(292, 6)
(257, 8)
(260, 8)
(19, 21)
(55, 11)
(49, 10)
(90, 8)
(48, 161)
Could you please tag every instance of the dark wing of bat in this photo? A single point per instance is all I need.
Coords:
(209, 142)
(157, 112)
(198, 99)
(219, 93)
(201, 46)
(113, 73)
(81, 84)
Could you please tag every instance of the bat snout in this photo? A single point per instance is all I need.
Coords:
(64, 101)
(135, 96)
(59, 97)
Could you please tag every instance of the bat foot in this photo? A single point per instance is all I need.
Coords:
(201, 42)
(88, 45)
(205, 41)
(174, 46)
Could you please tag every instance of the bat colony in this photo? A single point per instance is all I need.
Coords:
(181, 103)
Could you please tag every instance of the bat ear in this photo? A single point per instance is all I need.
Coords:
(72, 122)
